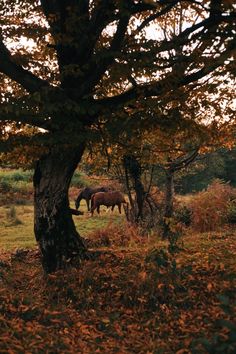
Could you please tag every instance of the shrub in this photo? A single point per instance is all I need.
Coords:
(15, 181)
(11, 176)
(5, 186)
(231, 212)
(20, 175)
(115, 235)
(183, 214)
(79, 180)
(209, 207)
(12, 217)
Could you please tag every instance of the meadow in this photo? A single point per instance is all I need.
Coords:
(16, 210)
(16, 224)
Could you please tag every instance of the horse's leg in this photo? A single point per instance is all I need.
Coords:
(119, 207)
(112, 208)
(98, 209)
(87, 201)
(92, 209)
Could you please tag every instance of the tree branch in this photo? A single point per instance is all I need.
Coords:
(183, 37)
(25, 118)
(163, 86)
(104, 58)
(15, 72)
(185, 161)
(157, 15)
(101, 16)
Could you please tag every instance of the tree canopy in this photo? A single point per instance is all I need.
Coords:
(65, 64)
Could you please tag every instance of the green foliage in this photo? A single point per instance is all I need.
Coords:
(199, 175)
(15, 180)
(16, 175)
(79, 180)
(5, 186)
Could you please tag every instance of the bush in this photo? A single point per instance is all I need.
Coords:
(79, 180)
(11, 176)
(20, 175)
(183, 214)
(12, 218)
(210, 207)
(15, 181)
(115, 235)
(5, 186)
(231, 212)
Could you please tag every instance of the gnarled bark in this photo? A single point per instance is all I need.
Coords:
(54, 228)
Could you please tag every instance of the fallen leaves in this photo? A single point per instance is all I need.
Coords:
(120, 303)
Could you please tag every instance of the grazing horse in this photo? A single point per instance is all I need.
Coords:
(110, 198)
(86, 194)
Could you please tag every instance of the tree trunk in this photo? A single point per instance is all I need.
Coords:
(169, 197)
(54, 228)
(133, 168)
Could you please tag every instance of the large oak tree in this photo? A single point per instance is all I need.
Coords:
(64, 64)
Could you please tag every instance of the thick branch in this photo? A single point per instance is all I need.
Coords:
(15, 72)
(72, 39)
(106, 57)
(35, 120)
(102, 14)
(185, 161)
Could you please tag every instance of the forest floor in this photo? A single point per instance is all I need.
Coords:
(134, 296)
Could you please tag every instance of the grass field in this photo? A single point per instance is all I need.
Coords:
(16, 224)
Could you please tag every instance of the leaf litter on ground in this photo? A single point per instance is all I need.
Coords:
(140, 299)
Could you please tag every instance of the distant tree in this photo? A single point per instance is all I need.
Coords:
(170, 170)
(67, 64)
(201, 173)
(228, 172)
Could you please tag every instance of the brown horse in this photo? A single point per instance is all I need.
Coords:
(110, 198)
(86, 194)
